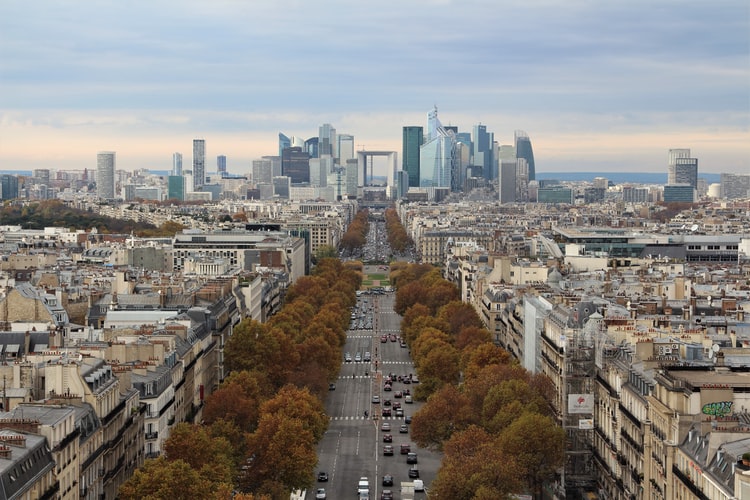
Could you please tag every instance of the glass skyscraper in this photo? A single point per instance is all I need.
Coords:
(437, 155)
(413, 137)
(199, 163)
(523, 150)
(483, 149)
(284, 142)
(177, 164)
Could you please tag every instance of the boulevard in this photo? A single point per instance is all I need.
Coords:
(353, 445)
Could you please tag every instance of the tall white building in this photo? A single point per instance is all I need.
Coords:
(199, 163)
(345, 148)
(674, 155)
(177, 164)
(327, 140)
(437, 155)
(105, 175)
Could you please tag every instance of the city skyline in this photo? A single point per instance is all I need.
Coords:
(597, 86)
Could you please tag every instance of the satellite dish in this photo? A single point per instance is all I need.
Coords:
(694, 228)
(715, 347)
(710, 354)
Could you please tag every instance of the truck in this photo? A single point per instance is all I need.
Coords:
(407, 490)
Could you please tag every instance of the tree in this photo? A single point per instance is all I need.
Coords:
(537, 445)
(446, 412)
(474, 467)
(238, 400)
(458, 315)
(296, 403)
(166, 479)
(210, 456)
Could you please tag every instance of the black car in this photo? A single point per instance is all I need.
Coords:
(411, 458)
(322, 476)
(414, 473)
(386, 495)
(407, 419)
(331, 387)
(387, 480)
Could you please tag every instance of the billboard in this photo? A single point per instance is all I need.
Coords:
(580, 403)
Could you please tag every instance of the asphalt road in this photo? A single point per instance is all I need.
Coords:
(353, 445)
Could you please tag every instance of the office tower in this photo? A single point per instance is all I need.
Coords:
(508, 179)
(295, 164)
(221, 165)
(413, 138)
(284, 142)
(483, 143)
(523, 150)
(8, 187)
(735, 186)
(265, 169)
(199, 164)
(176, 187)
(345, 148)
(105, 175)
(437, 162)
(327, 140)
(601, 183)
(311, 146)
(674, 154)
(686, 171)
(177, 164)
(282, 185)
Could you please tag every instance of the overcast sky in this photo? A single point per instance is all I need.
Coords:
(599, 85)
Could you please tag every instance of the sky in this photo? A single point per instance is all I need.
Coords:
(597, 85)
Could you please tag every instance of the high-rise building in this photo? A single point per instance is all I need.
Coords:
(263, 169)
(483, 149)
(311, 146)
(8, 187)
(284, 142)
(735, 186)
(105, 175)
(674, 155)
(176, 187)
(327, 140)
(177, 164)
(413, 138)
(345, 148)
(199, 163)
(523, 150)
(437, 155)
(221, 165)
(295, 164)
(508, 178)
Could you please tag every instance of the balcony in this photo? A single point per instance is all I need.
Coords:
(152, 435)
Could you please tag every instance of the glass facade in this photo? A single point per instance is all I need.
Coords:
(413, 138)
(523, 150)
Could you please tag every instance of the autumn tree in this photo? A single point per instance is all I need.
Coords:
(446, 412)
(537, 445)
(238, 400)
(210, 456)
(459, 315)
(166, 479)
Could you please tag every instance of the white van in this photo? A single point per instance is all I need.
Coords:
(363, 487)
(418, 485)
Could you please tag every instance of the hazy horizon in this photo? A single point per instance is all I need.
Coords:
(598, 86)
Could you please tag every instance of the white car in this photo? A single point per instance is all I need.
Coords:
(320, 494)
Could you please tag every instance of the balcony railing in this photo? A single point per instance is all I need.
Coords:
(152, 435)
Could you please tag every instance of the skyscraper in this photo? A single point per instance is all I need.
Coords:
(523, 150)
(295, 164)
(8, 187)
(199, 164)
(508, 178)
(105, 175)
(221, 165)
(284, 142)
(413, 137)
(327, 140)
(345, 148)
(177, 164)
(483, 149)
(682, 169)
(437, 162)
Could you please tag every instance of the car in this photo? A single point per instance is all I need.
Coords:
(320, 494)
(405, 448)
(414, 380)
(387, 387)
(386, 412)
(408, 400)
(385, 426)
(413, 473)
(383, 339)
(403, 345)
(322, 476)
(396, 405)
(367, 357)
(387, 438)
(348, 357)
(404, 429)
(331, 387)
(387, 402)
(407, 419)
(386, 495)
(388, 450)
(399, 413)
(387, 480)
(398, 394)
(357, 358)
(411, 458)
(393, 338)
(418, 485)
(376, 400)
